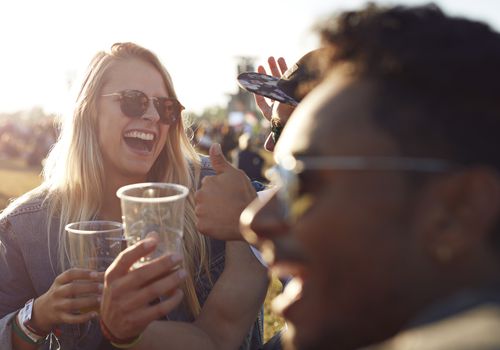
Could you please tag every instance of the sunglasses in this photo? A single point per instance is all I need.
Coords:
(285, 174)
(135, 103)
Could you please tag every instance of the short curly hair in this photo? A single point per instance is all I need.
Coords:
(437, 80)
(443, 72)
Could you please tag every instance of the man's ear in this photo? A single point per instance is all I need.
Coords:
(458, 212)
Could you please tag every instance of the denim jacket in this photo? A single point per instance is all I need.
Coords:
(27, 272)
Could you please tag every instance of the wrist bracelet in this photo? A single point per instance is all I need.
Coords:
(129, 345)
(17, 328)
(117, 342)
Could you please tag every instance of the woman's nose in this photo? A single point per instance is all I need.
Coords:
(151, 113)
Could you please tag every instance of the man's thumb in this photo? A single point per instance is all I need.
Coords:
(219, 163)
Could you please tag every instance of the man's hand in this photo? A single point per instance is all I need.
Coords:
(222, 198)
(126, 307)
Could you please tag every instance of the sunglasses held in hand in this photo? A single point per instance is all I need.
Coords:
(135, 103)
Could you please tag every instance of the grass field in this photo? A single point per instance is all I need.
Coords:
(16, 178)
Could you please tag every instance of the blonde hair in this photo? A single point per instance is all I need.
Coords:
(73, 172)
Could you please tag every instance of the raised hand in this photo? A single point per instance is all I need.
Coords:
(221, 198)
(277, 69)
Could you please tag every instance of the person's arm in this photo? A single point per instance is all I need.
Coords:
(54, 307)
(67, 294)
(15, 286)
(126, 308)
(225, 319)
(228, 313)
(236, 298)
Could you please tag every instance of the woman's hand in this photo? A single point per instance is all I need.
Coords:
(126, 307)
(73, 298)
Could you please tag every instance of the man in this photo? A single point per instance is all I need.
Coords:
(387, 212)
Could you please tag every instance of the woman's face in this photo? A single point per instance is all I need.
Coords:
(130, 146)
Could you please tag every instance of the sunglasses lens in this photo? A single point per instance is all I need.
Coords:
(134, 104)
(168, 109)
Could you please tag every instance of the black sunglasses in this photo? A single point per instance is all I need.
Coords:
(135, 103)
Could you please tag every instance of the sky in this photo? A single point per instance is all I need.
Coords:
(46, 44)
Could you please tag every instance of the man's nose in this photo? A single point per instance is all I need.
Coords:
(263, 219)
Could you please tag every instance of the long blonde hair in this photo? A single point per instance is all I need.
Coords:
(73, 172)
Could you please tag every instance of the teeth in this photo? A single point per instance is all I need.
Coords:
(140, 135)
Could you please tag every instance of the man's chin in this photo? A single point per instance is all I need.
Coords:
(301, 339)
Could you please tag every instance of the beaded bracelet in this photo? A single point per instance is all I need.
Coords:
(128, 345)
(116, 342)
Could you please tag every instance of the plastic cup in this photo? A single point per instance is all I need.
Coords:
(94, 244)
(154, 209)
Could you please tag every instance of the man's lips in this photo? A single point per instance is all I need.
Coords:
(291, 295)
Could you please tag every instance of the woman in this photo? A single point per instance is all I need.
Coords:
(126, 128)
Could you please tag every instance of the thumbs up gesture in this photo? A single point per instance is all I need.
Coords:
(222, 198)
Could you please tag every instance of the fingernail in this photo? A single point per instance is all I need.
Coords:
(149, 242)
(182, 273)
(218, 149)
(176, 258)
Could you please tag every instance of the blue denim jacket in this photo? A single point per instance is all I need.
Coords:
(26, 272)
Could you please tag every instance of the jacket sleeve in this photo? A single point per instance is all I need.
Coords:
(15, 284)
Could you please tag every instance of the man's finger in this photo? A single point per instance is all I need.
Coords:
(282, 64)
(274, 67)
(129, 256)
(265, 109)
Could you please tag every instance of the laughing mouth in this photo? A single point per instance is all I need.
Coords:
(140, 140)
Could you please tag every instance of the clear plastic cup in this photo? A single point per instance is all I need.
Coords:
(94, 244)
(154, 209)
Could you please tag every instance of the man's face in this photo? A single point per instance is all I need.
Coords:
(349, 243)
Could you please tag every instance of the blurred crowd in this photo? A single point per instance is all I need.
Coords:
(241, 144)
(29, 140)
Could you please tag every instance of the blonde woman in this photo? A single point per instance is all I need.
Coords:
(126, 128)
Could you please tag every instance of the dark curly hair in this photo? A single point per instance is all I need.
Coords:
(447, 69)
(437, 79)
